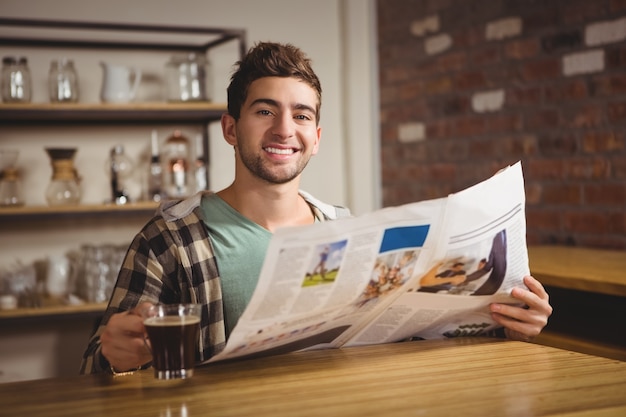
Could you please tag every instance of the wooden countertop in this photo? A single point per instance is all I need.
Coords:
(469, 377)
(583, 269)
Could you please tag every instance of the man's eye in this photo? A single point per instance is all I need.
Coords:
(264, 112)
(303, 117)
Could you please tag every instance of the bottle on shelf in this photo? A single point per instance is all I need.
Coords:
(177, 173)
(201, 173)
(120, 167)
(155, 170)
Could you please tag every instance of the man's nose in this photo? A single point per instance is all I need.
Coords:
(284, 126)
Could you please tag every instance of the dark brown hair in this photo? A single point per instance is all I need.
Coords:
(267, 59)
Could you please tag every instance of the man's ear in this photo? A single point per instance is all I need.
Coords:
(229, 129)
(316, 146)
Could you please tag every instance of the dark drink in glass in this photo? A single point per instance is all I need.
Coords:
(173, 332)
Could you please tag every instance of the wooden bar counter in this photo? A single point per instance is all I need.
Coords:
(587, 289)
(584, 269)
(468, 377)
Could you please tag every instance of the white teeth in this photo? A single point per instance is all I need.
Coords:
(280, 151)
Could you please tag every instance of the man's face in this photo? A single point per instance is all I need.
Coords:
(277, 134)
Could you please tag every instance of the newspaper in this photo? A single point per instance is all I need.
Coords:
(428, 269)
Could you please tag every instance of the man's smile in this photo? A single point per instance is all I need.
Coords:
(280, 151)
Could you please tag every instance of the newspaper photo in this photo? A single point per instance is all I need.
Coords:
(426, 270)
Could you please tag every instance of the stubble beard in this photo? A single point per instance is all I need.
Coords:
(271, 174)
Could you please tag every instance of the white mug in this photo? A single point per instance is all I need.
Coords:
(119, 83)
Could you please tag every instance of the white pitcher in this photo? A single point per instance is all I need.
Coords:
(119, 83)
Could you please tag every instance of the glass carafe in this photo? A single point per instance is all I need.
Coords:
(10, 186)
(64, 186)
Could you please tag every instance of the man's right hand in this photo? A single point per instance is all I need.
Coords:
(123, 342)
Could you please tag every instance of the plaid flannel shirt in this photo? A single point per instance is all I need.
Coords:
(171, 260)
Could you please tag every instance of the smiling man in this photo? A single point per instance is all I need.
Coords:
(209, 248)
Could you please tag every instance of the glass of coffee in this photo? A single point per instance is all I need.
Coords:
(173, 331)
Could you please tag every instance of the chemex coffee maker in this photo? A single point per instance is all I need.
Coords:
(64, 186)
(10, 185)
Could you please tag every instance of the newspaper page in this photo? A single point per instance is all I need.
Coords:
(480, 258)
(427, 269)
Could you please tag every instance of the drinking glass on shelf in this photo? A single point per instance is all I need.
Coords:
(20, 281)
(97, 270)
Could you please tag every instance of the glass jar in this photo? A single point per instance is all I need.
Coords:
(63, 188)
(63, 81)
(16, 82)
(186, 78)
(177, 167)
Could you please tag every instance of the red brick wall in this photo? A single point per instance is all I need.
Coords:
(469, 86)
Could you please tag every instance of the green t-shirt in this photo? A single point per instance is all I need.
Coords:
(240, 246)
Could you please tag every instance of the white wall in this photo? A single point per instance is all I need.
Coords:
(336, 34)
(339, 36)
(361, 130)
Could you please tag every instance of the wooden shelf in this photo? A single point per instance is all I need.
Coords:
(38, 212)
(52, 311)
(88, 34)
(98, 112)
(164, 39)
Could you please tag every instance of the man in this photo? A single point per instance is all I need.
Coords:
(209, 248)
